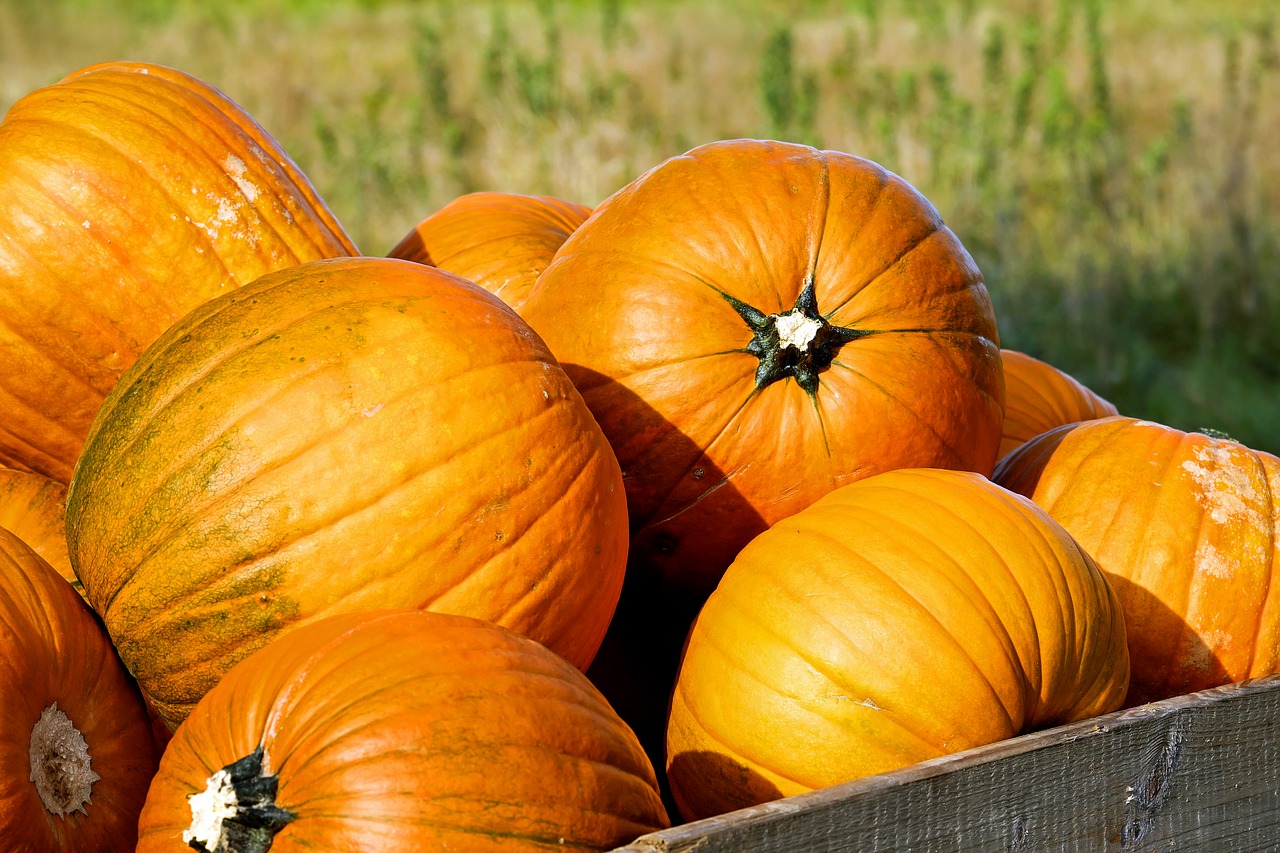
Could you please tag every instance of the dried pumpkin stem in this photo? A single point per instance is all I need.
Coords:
(61, 768)
(237, 810)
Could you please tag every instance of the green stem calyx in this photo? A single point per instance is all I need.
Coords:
(799, 343)
(237, 810)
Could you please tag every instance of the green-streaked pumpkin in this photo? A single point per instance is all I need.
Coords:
(756, 323)
(76, 749)
(402, 731)
(342, 435)
(903, 617)
(129, 194)
(1187, 528)
(1039, 397)
(502, 241)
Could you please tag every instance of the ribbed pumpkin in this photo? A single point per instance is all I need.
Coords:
(900, 618)
(1187, 528)
(129, 194)
(1039, 397)
(756, 323)
(33, 507)
(406, 731)
(501, 241)
(76, 754)
(342, 435)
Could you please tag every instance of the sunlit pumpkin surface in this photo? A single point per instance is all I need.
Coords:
(34, 508)
(757, 323)
(408, 731)
(903, 617)
(1039, 397)
(129, 194)
(1187, 528)
(346, 434)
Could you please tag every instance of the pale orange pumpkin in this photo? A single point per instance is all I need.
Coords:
(756, 323)
(401, 731)
(129, 194)
(76, 749)
(903, 617)
(342, 435)
(502, 241)
(1186, 527)
(1039, 397)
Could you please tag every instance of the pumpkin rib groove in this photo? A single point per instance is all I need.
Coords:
(1269, 500)
(703, 453)
(351, 821)
(889, 266)
(198, 151)
(13, 439)
(915, 415)
(1177, 650)
(300, 536)
(817, 664)
(107, 246)
(1014, 662)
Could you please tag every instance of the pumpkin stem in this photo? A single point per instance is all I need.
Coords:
(798, 343)
(61, 768)
(237, 810)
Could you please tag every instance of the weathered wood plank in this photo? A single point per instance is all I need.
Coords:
(1194, 773)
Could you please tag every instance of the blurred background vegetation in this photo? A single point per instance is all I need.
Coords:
(1114, 167)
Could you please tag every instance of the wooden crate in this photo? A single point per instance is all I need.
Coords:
(1195, 773)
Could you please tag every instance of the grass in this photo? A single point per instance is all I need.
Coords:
(1109, 165)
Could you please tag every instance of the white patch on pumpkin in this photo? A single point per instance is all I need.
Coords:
(209, 810)
(85, 223)
(236, 169)
(1225, 489)
(371, 411)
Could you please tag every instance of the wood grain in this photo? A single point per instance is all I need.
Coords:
(1197, 772)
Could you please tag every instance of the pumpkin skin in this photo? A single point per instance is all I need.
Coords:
(903, 617)
(350, 434)
(412, 730)
(33, 507)
(1039, 397)
(1187, 528)
(129, 194)
(501, 241)
(60, 676)
(669, 309)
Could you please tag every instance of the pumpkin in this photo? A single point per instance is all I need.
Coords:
(348, 434)
(756, 323)
(1039, 397)
(502, 241)
(1186, 527)
(401, 730)
(129, 193)
(900, 618)
(76, 754)
(33, 508)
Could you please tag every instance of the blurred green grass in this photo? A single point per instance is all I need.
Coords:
(1111, 166)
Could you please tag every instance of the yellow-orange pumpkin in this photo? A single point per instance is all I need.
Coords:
(756, 323)
(1187, 528)
(34, 507)
(129, 193)
(401, 731)
(501, 241)
(903, 617)
(76, 752)
(1039, 397)
(342, 435)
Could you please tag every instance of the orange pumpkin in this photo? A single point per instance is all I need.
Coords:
(34, 508)
(900, 618)
(401, 731)
(756, 323)
(342, 435)
(1039, 397)
(501, 241)
(1187, 528)
(129, 193)
(76, 754)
